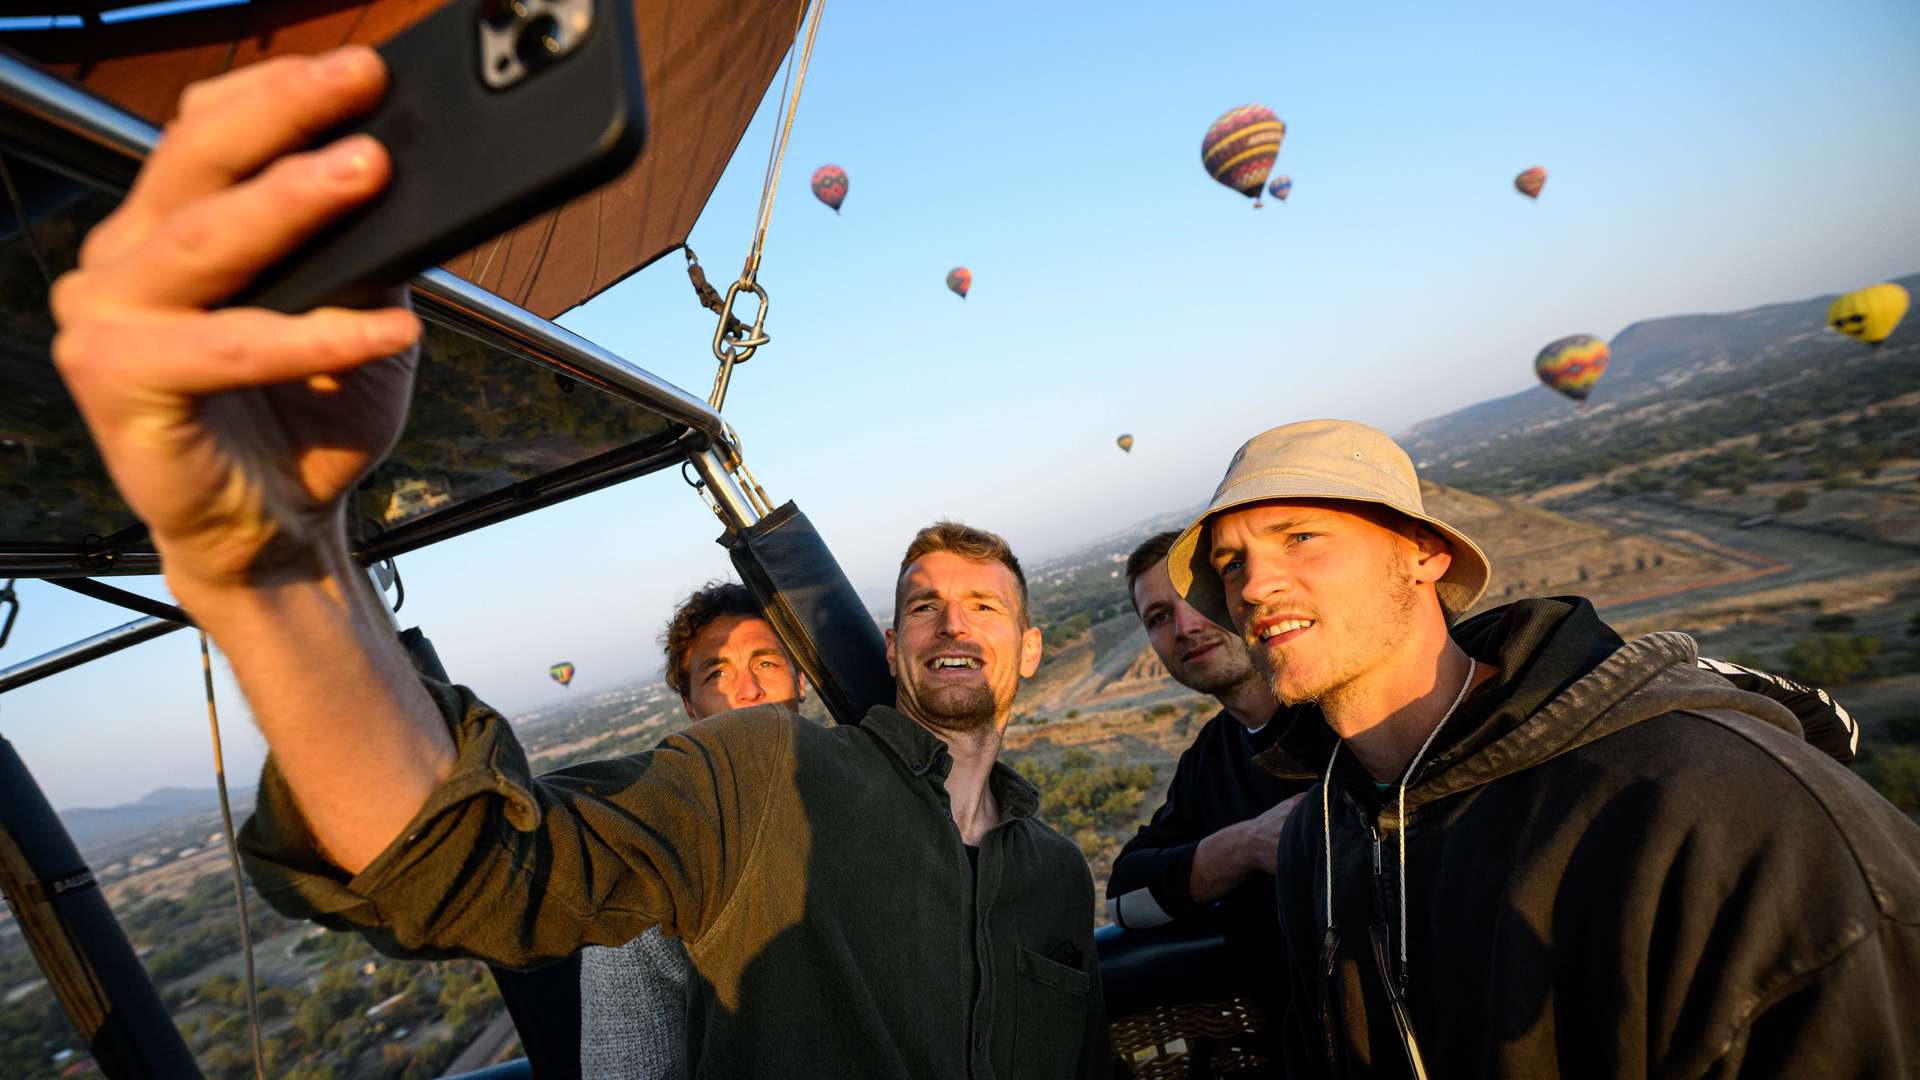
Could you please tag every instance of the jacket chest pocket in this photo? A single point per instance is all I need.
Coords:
(1050, 1002)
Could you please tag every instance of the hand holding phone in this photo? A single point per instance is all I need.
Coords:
(496, 111)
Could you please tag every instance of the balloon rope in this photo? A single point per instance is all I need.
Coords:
(777, 154)
(233, 854)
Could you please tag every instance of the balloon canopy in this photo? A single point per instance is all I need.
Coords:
(1869, 314)
(1124, 442)
(706, 65)
(1530, 182)
(830, 185)
(1239, 148)
(1281, 187)
(1572, 365)
(960, 279)
(561, 673)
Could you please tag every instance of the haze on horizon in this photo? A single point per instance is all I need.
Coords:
(1702, 158)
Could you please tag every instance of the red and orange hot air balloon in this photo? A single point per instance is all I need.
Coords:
(561, 673)
(960, 279)
(1572, 365)
(1239, 148)
(830, 185)
(1530, 182)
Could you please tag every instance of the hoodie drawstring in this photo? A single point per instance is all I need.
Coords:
(1326, 818)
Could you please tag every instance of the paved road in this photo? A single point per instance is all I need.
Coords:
(1806, 556)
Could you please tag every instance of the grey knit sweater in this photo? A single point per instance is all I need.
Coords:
(633, 1010)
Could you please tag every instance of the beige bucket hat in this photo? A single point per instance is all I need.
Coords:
(1321, 459)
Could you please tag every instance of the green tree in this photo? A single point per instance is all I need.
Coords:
(1832, 659)
(1790, 501)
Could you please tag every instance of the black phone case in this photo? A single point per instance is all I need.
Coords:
(469, 161)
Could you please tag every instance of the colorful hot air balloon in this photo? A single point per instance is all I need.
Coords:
(1869, 314)
(561, 673)
(1530, 182)
(1125, 442)
(1280, 187)
(830, 185)
(1572, 365)
(960, 279)
(1240, 147)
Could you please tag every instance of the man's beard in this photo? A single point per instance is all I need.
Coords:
(959, 708)
(1219, 678)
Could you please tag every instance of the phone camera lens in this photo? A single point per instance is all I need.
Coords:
(539, 42)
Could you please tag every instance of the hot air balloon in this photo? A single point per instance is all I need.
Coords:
(830, 185)
(1530, 182)
(1869, 314)
(1572, 365)
(1125, 442)
(561, 673)
(960, 279)
(1280, 187)
(1240, 147)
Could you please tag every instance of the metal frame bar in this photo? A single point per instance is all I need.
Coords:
(105, 643)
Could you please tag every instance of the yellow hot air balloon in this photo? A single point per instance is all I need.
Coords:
(1124, 442)
(1869, 314)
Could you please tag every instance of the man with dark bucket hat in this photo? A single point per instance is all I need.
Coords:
(1536, 849)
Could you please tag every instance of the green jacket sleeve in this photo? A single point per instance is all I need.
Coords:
(517, 870)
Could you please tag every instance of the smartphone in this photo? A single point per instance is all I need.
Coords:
(496, 110)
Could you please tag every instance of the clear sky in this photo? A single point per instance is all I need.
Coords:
(1702, 157)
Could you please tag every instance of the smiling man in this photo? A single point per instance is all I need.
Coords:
(821, 879)
(1535, 849)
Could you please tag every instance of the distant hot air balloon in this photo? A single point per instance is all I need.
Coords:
(830, 185)
(562, 673)
(960, 279)
(1240, 147)
(1280, 187)
(1572, 365)
(1869, 314)
(1125, 442)
(1530, 182)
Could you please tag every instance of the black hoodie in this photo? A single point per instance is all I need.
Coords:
(1616, 865)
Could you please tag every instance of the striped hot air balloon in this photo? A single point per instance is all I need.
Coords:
(1280, 187)
(830, 185)
(1572, 365)
(960, 279)
(1240, 147)
(561, 673)
(1530, 182)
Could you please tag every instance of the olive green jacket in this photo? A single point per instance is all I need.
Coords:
(814, 874)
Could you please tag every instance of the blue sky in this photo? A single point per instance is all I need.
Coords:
(1701, 157)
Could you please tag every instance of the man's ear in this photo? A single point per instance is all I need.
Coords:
(1433, 556)
(1030, 642)
(687, 704)
(799, 686)
(893, 668)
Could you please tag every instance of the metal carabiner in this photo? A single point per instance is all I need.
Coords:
(731, 350)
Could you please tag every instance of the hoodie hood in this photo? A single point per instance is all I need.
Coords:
(1565, 679)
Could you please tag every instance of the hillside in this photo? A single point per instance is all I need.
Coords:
(1674, 384)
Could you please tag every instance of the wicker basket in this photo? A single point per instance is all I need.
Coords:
(1177, 1042)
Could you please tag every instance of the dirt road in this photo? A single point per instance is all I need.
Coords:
(1775, 555)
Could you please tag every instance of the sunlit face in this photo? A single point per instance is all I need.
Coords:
(959, 645)
(736, 661)
(1322, 595)
(1199, 653)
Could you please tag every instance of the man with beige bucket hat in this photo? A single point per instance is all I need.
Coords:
(1612, 862)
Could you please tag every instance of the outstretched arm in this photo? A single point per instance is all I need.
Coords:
(238, 435)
